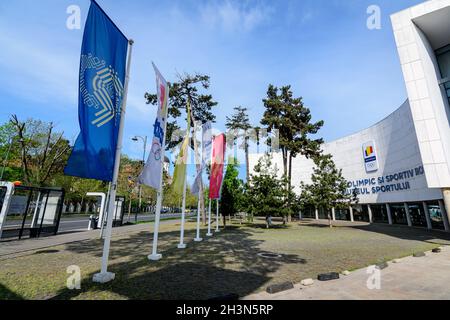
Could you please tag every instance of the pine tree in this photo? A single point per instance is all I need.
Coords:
(239, 123)
(185, 91)
(265, 193)
(232, 192)
(328, 188)
(292, 119)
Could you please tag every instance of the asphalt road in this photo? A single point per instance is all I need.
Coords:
(80, 223)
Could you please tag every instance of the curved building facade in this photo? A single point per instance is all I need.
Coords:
(400, 166)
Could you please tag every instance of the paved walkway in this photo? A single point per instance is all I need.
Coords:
(411, 278)
(15, 248)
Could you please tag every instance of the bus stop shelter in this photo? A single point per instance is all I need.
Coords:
(29, 212)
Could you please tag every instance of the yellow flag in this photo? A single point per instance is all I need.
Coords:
(179, 175)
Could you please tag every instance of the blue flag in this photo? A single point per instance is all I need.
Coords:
(101, 90)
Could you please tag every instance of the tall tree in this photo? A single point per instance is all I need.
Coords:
(187, 90)
(292, 119)
(43, 152)
(265, 193)
(240, 123)
(328, 188)
(232, 192)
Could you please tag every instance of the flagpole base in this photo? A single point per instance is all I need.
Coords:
(103, 277)
(217, 230)
(198, 239)
(181, 246)
(209, 234)
(154, 257)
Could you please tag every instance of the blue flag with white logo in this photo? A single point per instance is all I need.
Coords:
(101, 90)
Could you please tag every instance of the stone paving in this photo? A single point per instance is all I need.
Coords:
(409, 278)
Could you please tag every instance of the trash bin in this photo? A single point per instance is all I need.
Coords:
(93, 220)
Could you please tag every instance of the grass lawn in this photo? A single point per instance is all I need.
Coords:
(227, 263)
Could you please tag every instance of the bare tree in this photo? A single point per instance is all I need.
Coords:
(43, 152)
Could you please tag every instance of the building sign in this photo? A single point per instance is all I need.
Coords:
(370, 156)
(399, 181)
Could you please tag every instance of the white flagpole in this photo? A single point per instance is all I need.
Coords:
(105, 276)
(217, 216)
(182, 245)
(155, 256)
(197, 238)
(102, 214)
(209, 234)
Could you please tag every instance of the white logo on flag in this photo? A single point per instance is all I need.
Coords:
(106, 92)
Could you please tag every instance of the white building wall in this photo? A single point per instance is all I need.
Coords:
(397, 151)
(421, 74)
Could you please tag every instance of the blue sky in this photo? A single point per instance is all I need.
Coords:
(349, 76)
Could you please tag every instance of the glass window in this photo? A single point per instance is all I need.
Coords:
(342, 214)
(323, 214)
(398, 214)
(309, 212)
(361, 213)
(443, 58)
(2, 196)
(379, 213)
(437, 221)
(417, 215)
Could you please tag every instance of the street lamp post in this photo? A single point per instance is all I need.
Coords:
(144, 140)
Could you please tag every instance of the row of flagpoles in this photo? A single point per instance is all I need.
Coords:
(103, 86)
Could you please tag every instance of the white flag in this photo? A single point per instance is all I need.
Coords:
(206, 143)
(206, 155)
(152, 173)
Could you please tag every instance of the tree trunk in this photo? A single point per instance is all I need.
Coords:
(284, 151)
(290, 182)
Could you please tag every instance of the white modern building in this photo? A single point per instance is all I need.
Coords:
(401, 165)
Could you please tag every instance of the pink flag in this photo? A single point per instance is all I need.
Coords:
(217, 165)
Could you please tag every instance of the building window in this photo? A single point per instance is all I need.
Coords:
(361, 213)
(443, 58)
(342, 214)
(323, 214)
(437, 221)
(417, 215)
(379, 213)
(2, 196)
(309, 212)
(398, 214)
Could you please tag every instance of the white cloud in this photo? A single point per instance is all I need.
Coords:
(234, 16)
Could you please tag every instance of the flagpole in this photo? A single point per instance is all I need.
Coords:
(217, 216)
(182, 245)
(105, 276)
(102, 222)
(197, 238)
(209, 234)
(155, 256)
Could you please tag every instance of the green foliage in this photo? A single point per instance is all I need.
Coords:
(294, 123)
(43, 152)
(238, 126)
(328, 188)
(232, 191)
(265, 194)
(187, 88)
